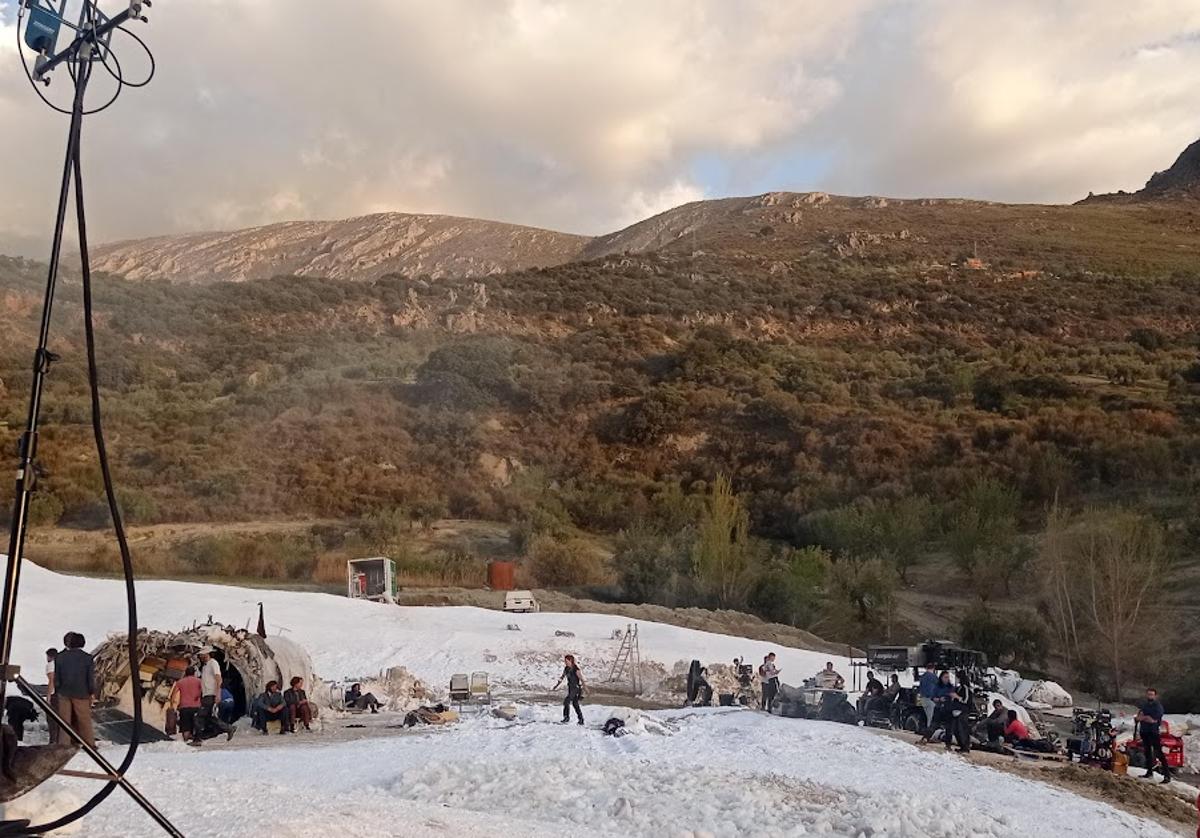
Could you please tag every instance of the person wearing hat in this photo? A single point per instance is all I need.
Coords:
(210, 689)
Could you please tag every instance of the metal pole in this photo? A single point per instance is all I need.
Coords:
(89, 749)
(26, 476)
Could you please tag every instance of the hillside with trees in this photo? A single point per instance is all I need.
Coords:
(815, 409)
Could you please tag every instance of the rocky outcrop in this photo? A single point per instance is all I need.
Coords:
(1181, 181)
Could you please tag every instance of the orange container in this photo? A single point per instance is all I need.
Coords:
(500, 575)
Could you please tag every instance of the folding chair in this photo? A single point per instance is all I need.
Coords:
(481, 690)
(460, 689)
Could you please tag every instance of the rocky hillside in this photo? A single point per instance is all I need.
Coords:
(356, 248)
(1180, 182)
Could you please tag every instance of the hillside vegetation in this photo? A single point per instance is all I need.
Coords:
(884, 384)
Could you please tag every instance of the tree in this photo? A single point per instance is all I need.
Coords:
(867, 585)
(564, 564)
(722, 556)
(652, 567)
(789, 588)
(1101, 571)
(983, 537)
(897, 531)
(1009, 640)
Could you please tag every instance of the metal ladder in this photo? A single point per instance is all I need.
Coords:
(628, 663)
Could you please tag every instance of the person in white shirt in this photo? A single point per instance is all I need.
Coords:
(51, 727)
(210, 692)
(769, 674)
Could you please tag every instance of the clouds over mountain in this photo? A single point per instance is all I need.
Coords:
(585, 117)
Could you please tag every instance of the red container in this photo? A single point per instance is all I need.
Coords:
(500, 575)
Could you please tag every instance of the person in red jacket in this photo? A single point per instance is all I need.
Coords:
(1015, 731)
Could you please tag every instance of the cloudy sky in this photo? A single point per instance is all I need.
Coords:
(585, 115)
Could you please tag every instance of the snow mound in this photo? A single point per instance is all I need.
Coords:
(348, 639)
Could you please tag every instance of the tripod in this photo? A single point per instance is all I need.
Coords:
(80, 57)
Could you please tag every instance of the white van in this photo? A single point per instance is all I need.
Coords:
(520, 602)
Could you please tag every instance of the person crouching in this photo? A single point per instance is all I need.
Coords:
(270, 707)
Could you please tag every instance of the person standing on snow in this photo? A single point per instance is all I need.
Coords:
(574, 680)
(75, 689)
(769, 673)
(962, 701)
(210, 689)
(926, 688)
(51, 725)
(1149, 718)
(185, 697)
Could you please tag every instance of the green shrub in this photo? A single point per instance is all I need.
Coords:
(564, 564)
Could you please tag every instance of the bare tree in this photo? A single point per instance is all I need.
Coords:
(1100, 571)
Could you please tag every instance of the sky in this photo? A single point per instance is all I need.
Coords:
(588, 115)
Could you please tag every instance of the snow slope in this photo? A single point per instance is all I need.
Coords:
(351, 638)
(719, 773)
(722, 773)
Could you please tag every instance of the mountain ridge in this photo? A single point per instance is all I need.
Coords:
(409, 243)
(439, 246)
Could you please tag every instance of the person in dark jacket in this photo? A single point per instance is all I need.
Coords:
(1149, 718)
(19, 710)
(874, 685)
(358, 700)
(994, 724)
(574, 679)
(299, 707)
(270, 707)
(962, 702)
(942, 698)
(75, 688)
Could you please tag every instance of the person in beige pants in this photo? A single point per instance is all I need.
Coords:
(75, 689)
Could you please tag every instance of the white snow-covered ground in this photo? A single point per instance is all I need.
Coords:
(721, 772)
(351, 638)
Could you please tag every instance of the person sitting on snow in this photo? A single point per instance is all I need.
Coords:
(1015, 731)
(357, 700)
(995, 723)
(270, 707)
(829, 679)
(300, 709)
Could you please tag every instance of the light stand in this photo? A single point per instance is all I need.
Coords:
(80, 55)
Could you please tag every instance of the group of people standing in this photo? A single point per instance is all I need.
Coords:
(196, 699)
(947, 704)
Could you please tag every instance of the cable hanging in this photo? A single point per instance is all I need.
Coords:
(91, 44)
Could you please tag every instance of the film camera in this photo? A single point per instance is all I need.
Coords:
(1092, 740)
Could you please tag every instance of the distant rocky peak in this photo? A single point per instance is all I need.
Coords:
(1183, 178)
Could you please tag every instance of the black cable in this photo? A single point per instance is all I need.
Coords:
(80, 76)
(104, 53)
(149, 54)
(111, 495)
